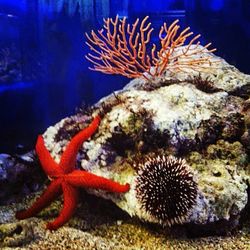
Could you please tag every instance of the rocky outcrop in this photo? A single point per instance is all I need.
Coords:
(20, 175)
(200, 117)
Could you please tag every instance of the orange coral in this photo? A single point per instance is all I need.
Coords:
(119, 48)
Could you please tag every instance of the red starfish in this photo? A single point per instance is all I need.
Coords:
(66, 179)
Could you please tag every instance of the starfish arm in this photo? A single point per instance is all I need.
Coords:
(68, 158)
(70, 199)
(48, 164)
(79, 178)
(50, 193)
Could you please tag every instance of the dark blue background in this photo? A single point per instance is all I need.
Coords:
(46, 42)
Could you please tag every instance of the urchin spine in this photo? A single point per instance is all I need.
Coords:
(165, 189)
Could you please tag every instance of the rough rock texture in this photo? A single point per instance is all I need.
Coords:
(19, 176)
(203, 118)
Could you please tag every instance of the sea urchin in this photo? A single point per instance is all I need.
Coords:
(165, 189)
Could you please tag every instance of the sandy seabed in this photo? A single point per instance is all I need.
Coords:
(99, 224)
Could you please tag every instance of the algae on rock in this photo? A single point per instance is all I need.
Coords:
(175, 115)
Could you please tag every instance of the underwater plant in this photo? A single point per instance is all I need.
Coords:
(120, 48)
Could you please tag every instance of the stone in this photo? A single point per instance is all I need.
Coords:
(201, 118)
(19, 176)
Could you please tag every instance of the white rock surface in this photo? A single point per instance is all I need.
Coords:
(186, 113)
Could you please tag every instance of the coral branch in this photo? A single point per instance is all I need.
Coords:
(120, 48)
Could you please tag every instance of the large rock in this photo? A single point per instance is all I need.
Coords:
(200, 117)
